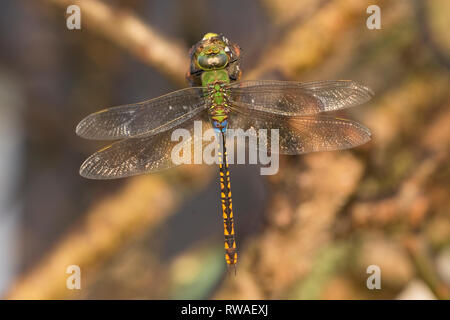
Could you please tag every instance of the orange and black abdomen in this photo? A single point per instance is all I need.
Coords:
(227, 207)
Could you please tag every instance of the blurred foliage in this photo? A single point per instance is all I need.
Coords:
(316, 225)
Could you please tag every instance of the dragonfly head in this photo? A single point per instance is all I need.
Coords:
(212, 52)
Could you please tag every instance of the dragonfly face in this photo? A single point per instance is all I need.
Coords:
(216, 99)
(212, 57)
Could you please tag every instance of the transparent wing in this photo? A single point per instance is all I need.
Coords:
(148, 117)
(291, 98)
(139, 155)
(297, 135)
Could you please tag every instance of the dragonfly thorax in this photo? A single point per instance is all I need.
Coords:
(218, 104)
(214, 76)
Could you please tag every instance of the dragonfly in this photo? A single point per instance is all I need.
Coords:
(220, 100)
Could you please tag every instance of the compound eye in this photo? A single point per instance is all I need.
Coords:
(213, 61)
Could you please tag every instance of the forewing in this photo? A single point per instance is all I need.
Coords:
(139, 155)
(298, 135)
(144, 118)
(291, 98)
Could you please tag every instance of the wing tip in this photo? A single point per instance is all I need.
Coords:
(88, 167)
(84, 169)
(363, 132)
(79, 130)
(88, 128)
(85, 126)
(366, 134)
(84, 174)
(96, 168)
(365, 92)
(88, 173)
(365, 129)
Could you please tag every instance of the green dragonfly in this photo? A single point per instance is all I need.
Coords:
(220, 101)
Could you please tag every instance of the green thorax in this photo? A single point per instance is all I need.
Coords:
(214, 81)
(210, 77)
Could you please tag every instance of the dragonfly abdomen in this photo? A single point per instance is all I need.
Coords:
(227, 206)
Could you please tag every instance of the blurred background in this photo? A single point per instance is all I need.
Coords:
(308, 232)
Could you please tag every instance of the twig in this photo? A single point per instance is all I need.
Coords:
(133, 35)
(424, 266)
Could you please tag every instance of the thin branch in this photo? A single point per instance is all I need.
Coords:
(423, 263)
(130, 33)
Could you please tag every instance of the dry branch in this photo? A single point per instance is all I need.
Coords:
(133, 35)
